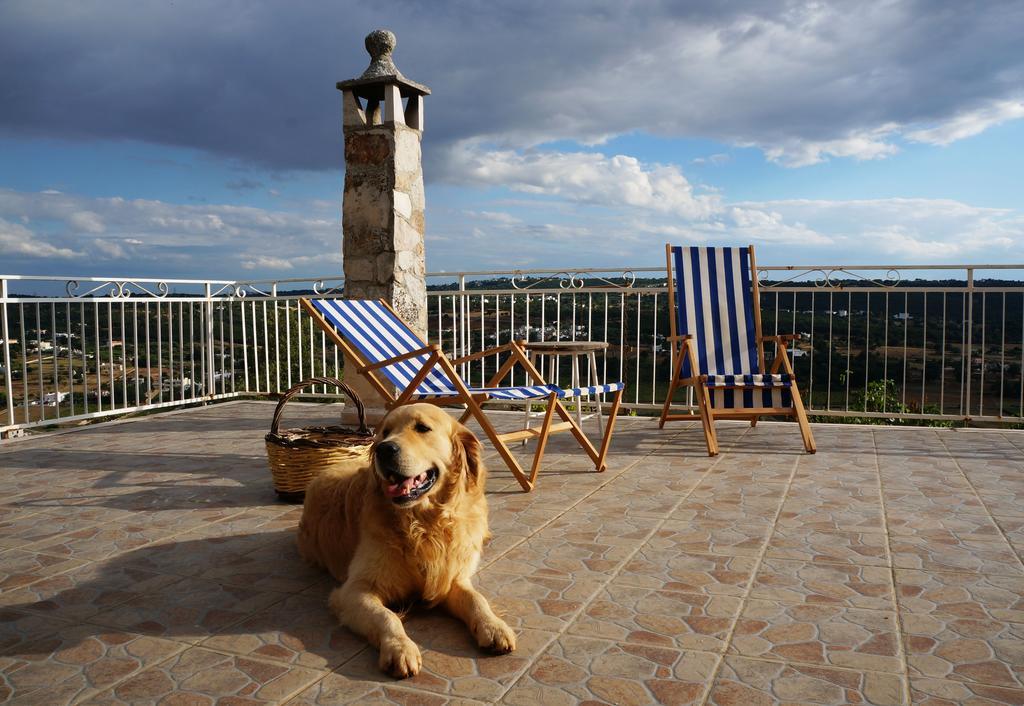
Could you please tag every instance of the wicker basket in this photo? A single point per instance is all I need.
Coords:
(296, 456)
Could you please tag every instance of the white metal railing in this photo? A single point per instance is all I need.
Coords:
(948, 345)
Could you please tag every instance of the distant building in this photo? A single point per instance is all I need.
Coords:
(52, 399)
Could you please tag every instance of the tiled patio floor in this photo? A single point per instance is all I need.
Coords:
(148, 562)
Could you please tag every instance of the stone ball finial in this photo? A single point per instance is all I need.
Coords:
(380, 43)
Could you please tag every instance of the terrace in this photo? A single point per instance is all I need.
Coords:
(149, 557)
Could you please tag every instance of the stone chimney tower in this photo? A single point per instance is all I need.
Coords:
(382, 210)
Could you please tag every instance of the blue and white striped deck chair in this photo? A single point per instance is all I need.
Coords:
(717, 345)
(393, 357)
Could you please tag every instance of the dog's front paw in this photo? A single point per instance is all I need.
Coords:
(400, 658)
(495, 636)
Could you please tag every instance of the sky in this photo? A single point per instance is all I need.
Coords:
(202, 140)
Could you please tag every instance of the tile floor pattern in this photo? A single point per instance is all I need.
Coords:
(148, 562)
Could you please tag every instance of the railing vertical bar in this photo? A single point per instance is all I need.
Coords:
(792, 326)
(622, 336)
(323, 356)
(810, 376)
(1002, 356)
(245, 345)
(969, 343)
(775, 323)
(867, 347)
(39, 356)
(207, 346)
(924, 353)
(198, 310)
(56, 358)
(1020, 399)
(181, 349)
(71, 357)
(266, 349)
(463, 321)
(5, 332)
(981, 378)
(828, 385)
(255, 347)
(604, 337)
(512, 330)
(483, 346)
(192, 348)
(440, 316)
(288, 339)
(885, 357)
(529, 326)
(124, 360)
(497, 327)
(170, 349)
(149, 366)
(558, 335)
(906, 328)
(942, 355)
(636, 383)
(231, 336)
(337, 359)
(135, 348)
(654, 353)
(159, 352)
(277, 342)
(849, 346)
(24, 361)
(543, 318)
(457, 325)
(218, 368)
(111, 330)
(312, 352)
(298, 336)
(590, 333)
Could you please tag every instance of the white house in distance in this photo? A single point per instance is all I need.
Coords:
(52, 399)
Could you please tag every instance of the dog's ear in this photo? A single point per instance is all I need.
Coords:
(472, 451)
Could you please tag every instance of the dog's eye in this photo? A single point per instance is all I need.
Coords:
(422, 428)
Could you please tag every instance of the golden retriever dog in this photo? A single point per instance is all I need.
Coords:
(408, 524)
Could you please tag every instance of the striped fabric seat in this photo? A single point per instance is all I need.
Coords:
(531, 392)
(740, 397)
(380, 335)
(717, 347)
(713, 304)
(777, 380)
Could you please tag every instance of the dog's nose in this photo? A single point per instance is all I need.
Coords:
(387, 451)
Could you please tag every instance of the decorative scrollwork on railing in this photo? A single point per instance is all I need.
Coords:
(321, 289)
(827, 278)
(571, 280)
(118, 289)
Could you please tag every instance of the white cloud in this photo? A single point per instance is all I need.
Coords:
(267, 263)
(860, 145)
(18, 241)
(162, 238)
(86, 221)
(908, 231)
(582, 177)
(969, 123)
(583, 209)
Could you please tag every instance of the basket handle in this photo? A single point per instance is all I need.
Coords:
(299, 386)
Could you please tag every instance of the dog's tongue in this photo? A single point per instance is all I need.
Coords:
(404, 488)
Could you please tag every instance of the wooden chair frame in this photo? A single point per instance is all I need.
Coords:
(474, 402)
(681, 347)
